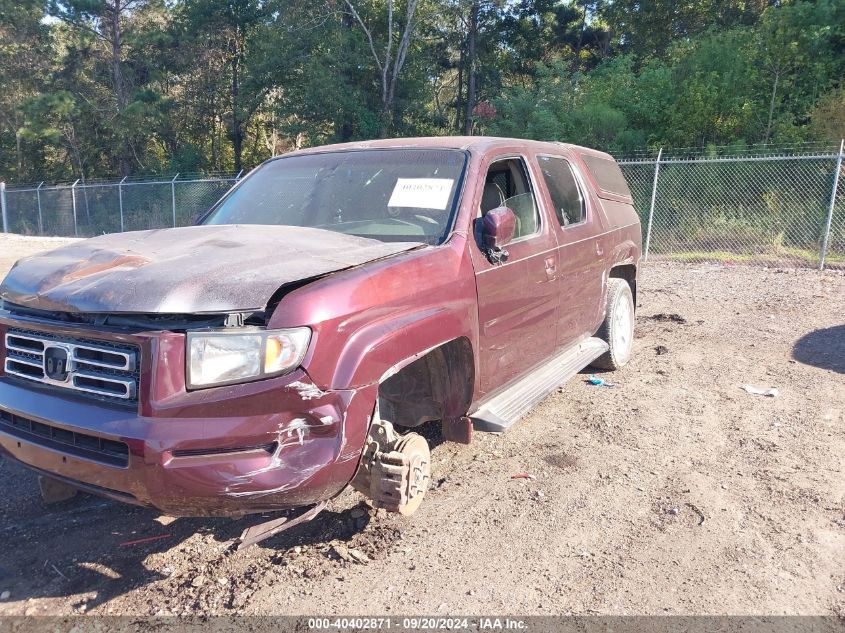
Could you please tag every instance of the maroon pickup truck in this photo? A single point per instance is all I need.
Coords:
(281, 349)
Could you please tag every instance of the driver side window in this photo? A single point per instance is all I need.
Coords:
(507, 184)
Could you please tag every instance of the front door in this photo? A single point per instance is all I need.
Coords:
(518, 298)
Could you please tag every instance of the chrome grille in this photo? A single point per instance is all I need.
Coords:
(91, 368)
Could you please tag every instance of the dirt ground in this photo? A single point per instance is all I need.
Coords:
(674, 492)
(13, 247)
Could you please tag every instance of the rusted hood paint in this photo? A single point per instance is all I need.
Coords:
(189, 270)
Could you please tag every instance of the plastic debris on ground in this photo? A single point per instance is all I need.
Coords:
(599, 382)
(771, 392)
(146, 539)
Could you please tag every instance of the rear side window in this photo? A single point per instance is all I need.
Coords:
(607, 174)
(564, 190)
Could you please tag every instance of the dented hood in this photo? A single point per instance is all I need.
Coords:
(190, 270)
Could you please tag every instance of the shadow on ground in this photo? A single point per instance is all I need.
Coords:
(822, 348)
(89, 545)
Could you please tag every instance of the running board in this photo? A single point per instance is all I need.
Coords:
(503, 410)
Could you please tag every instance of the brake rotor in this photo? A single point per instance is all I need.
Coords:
(399, 478)
(415, 448)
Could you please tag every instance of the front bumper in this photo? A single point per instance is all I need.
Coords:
(275, 444)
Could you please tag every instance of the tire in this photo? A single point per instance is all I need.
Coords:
(617, 329)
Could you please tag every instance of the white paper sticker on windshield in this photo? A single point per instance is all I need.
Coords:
(423, 193)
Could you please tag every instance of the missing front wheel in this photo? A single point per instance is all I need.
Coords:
(395, 470)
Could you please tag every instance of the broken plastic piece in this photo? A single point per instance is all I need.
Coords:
(54, 491)
(258, 533)
(146, 539)
(761, 391)
(523, 476)
(600, 382)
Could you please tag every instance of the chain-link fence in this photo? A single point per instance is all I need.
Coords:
(87, 209)
(780, 209)
(775, 209)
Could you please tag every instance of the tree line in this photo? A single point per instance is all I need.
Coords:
(111, 88)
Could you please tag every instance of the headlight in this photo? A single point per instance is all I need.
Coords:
(228, 357)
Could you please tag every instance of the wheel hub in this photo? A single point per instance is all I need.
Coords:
(396, 471)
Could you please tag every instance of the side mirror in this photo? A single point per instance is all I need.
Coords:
(497, 227)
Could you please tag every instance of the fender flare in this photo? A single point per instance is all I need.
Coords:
(383, 347)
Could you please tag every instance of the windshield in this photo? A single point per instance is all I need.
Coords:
(390, 195)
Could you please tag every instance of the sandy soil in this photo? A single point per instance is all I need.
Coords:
(13, 247)
(675, 492)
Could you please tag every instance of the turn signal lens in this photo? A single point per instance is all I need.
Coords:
(284, 349)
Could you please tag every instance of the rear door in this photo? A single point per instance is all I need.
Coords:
(579, 227)
(517, 299)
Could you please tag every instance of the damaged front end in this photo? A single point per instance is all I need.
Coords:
(142, 367)
(227, 450)
(199, 270)
(208, 372)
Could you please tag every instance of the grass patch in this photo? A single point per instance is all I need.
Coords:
(784, 256)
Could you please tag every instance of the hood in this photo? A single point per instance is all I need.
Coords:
(189, 270)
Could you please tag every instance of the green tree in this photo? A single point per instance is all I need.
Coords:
(390, 56)
(24, 61)
(110, 22)
(231, 30)
(102, 88)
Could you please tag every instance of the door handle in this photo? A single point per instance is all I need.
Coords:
(599, 250)
(551, 266)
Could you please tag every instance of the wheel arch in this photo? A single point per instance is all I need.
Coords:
(628, 272)
(386, 346)
(435, 385)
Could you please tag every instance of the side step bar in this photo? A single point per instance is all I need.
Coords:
(505, 409)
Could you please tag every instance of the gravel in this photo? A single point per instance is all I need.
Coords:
(674, 493)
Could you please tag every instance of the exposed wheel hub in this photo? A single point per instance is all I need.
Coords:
(395, 472)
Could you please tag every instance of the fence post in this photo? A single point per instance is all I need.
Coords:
(73, 200)
(651, 209)
(173, 197)
(832, 204)
(40, 218)
(3, 211)
(120, 201)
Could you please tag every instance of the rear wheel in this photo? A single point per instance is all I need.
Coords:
(617, 329)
